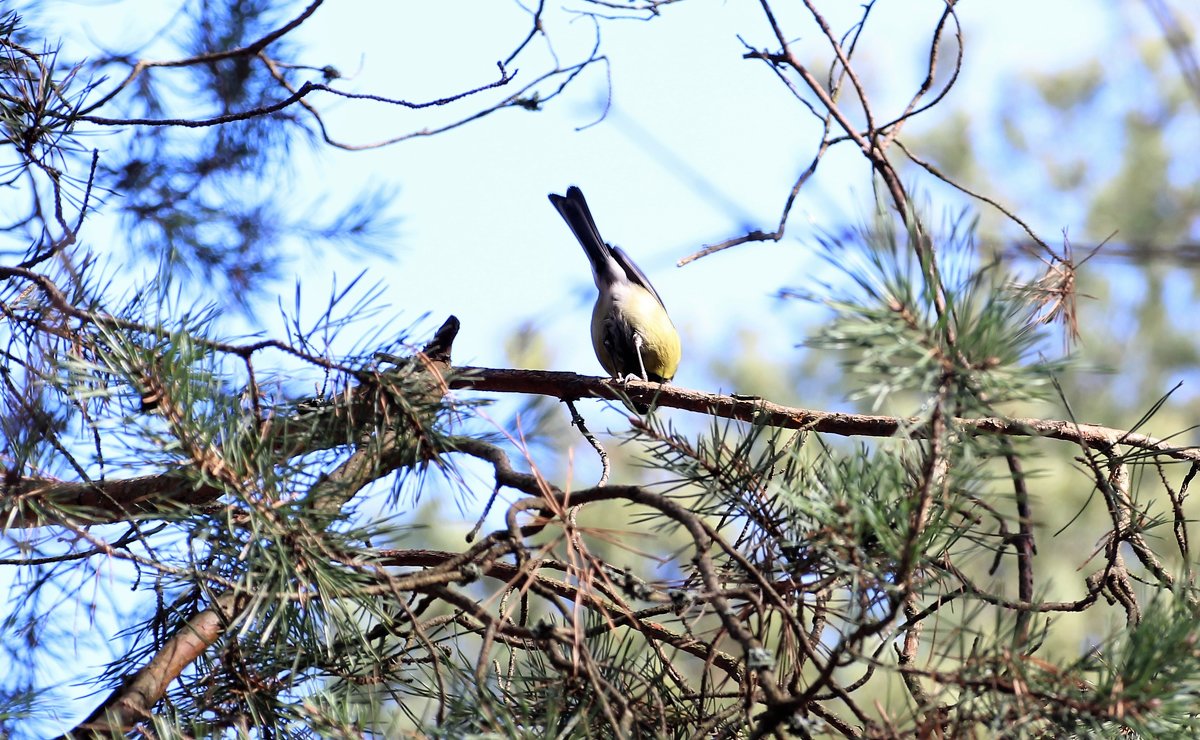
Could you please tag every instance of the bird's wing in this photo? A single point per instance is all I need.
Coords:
(634, 273)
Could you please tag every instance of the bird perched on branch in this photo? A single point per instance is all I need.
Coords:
(631, 332)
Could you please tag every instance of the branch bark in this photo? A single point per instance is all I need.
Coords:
(143, 497)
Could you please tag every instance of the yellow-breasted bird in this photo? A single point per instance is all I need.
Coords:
(631, 332)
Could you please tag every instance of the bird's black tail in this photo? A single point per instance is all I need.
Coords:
(574, 210)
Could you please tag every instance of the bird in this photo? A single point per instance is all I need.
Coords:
(632, 333)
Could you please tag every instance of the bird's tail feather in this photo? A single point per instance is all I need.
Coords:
(574, 210)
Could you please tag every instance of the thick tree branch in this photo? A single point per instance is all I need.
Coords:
(112, 501)
(137, 694)
(566, 385)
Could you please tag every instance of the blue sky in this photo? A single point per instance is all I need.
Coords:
(698, 146)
